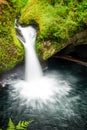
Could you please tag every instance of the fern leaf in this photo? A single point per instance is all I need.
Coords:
(22, 125)
(11, 125)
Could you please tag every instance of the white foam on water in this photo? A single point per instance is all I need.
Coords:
(43, 89)
(36, 88)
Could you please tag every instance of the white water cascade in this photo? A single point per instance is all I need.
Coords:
(36, 87)
(33, 68)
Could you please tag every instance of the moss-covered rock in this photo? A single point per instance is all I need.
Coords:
(11, 50)
(57, 20)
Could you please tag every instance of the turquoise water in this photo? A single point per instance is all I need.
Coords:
(68, 111)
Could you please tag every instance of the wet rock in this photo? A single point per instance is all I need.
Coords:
(76, 46)
(1, 86)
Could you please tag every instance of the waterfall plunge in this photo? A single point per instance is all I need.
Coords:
(36, 87)
(33, 68)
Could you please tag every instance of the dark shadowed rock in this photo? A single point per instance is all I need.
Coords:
(1, 86)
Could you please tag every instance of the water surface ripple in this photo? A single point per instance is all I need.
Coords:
(63, 109)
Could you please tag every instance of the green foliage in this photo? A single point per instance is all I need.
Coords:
(57, 20)
(11, 125)
(11, 51)
(18, 3)
(22, 125)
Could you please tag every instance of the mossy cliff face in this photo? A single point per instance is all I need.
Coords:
(57, 20)
(11, 51)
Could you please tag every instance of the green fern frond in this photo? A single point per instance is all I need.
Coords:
(22, 125)
(11, 125)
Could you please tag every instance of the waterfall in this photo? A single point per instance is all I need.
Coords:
(38, 89)
(33, 68)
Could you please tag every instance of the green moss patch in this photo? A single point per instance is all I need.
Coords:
(11, 50)
(58, 21)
